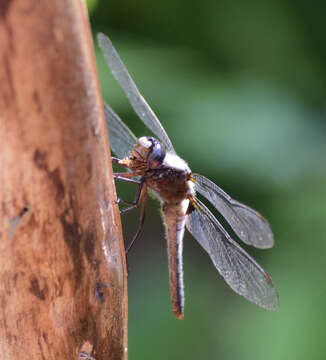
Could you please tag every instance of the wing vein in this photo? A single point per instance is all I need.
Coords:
(241, 272)
(129, 87)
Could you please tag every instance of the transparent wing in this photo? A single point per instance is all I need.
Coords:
(239, 270)
(135, 98)
(122, 139)
(251, 227)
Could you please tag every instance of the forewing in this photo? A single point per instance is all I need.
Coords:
(251, 227)
(239, 270)
(122, 139)
(135, 98)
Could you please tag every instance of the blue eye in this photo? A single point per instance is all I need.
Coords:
(157, 155)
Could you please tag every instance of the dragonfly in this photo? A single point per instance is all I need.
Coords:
(153, 164)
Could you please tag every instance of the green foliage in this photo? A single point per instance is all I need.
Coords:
(240, 88)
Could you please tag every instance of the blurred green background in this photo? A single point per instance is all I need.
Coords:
(240, 87)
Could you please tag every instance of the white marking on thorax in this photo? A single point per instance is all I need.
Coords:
(191, 188)
(175, 162)
(143, 141)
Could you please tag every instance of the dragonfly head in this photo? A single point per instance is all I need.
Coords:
(153, 149)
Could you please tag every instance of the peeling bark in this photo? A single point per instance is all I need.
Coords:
(63, 290)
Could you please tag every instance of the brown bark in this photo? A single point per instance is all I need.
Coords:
(62, 272)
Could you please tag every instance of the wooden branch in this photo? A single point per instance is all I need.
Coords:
(62, 268)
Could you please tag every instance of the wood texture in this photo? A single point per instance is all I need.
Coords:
(62, 272)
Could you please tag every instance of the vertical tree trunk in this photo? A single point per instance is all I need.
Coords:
(62, 269)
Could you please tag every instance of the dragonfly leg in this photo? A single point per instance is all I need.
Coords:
(141, 219)
(134, 204)
(115, 160)
(141, 197)
(125, 179)
(126, 175)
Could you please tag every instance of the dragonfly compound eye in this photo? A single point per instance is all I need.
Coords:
(157, 155)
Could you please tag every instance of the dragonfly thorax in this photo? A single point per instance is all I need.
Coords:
(175, 162)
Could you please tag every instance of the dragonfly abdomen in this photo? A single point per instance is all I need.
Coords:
(174, 219)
